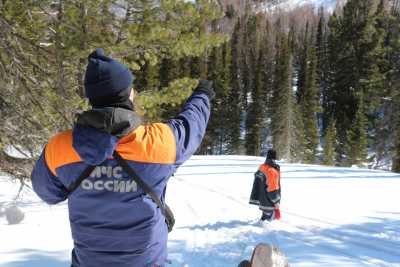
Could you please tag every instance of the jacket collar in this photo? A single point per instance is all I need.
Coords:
(272, 163)
(114, 121)
(96, 132)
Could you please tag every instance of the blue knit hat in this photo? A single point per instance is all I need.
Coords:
(105, 76)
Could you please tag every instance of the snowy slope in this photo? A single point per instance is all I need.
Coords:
(291, 4)
(330, 217)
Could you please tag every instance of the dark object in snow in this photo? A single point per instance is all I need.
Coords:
(14, 215)
(244, 263)
(266, 255)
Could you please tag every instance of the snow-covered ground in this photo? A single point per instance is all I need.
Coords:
(330, 217)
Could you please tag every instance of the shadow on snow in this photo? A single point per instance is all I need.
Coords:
(37, 258)
(317, 247)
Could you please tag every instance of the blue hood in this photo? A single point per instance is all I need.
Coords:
(97, 131)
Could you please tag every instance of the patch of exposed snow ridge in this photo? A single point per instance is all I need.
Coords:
(291, 4)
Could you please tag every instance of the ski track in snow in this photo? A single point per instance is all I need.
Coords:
(331, 238)
(362, 236)
(328, 218)
(356, 237)
(335, 235)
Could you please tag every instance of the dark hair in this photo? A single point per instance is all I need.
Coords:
(271, 154)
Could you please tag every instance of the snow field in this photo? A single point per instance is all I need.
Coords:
(330, 217)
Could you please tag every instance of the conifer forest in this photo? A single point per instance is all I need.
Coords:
(320, 86)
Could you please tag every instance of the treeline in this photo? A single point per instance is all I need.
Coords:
(318, 87)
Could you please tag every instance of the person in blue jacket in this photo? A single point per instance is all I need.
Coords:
(113, 222)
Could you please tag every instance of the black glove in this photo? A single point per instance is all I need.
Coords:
(206, 87)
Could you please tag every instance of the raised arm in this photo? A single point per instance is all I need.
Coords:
(190, 125)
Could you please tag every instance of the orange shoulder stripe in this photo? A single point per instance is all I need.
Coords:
(154, 143)
(59, 151)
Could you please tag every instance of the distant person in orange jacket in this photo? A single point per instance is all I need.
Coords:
(266, 192)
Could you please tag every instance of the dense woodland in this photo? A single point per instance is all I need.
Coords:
(318, 86)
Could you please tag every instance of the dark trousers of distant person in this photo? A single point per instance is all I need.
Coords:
(268, 215)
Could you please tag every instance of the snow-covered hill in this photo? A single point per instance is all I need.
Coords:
(330, 217)
(291, 4)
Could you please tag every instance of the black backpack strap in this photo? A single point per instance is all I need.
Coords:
(86, 172)
(165, 210)
(139, 181)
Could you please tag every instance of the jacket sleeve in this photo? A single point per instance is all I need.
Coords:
(190, 125)
(46, 185)
(257, 189)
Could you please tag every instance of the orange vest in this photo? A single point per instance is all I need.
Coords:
(272, 177)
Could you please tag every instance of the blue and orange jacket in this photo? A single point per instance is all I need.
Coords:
(113, 222)
(266, 191)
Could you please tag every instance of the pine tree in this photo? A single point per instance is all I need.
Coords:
(329, 144)
(214, 135)
(266, 84)
(226, 87)
(329, 96)
(255, 113)
(308, 96)
(382, 142)
(169, 70)
(302, 64)
(394, 77)
(234, 100)
(356, 57)
(322, 64)
(310, 107)
(254, 82)
(343, 81)
(297, 135)
(282, 101)
(357, 136)
(246, 59)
